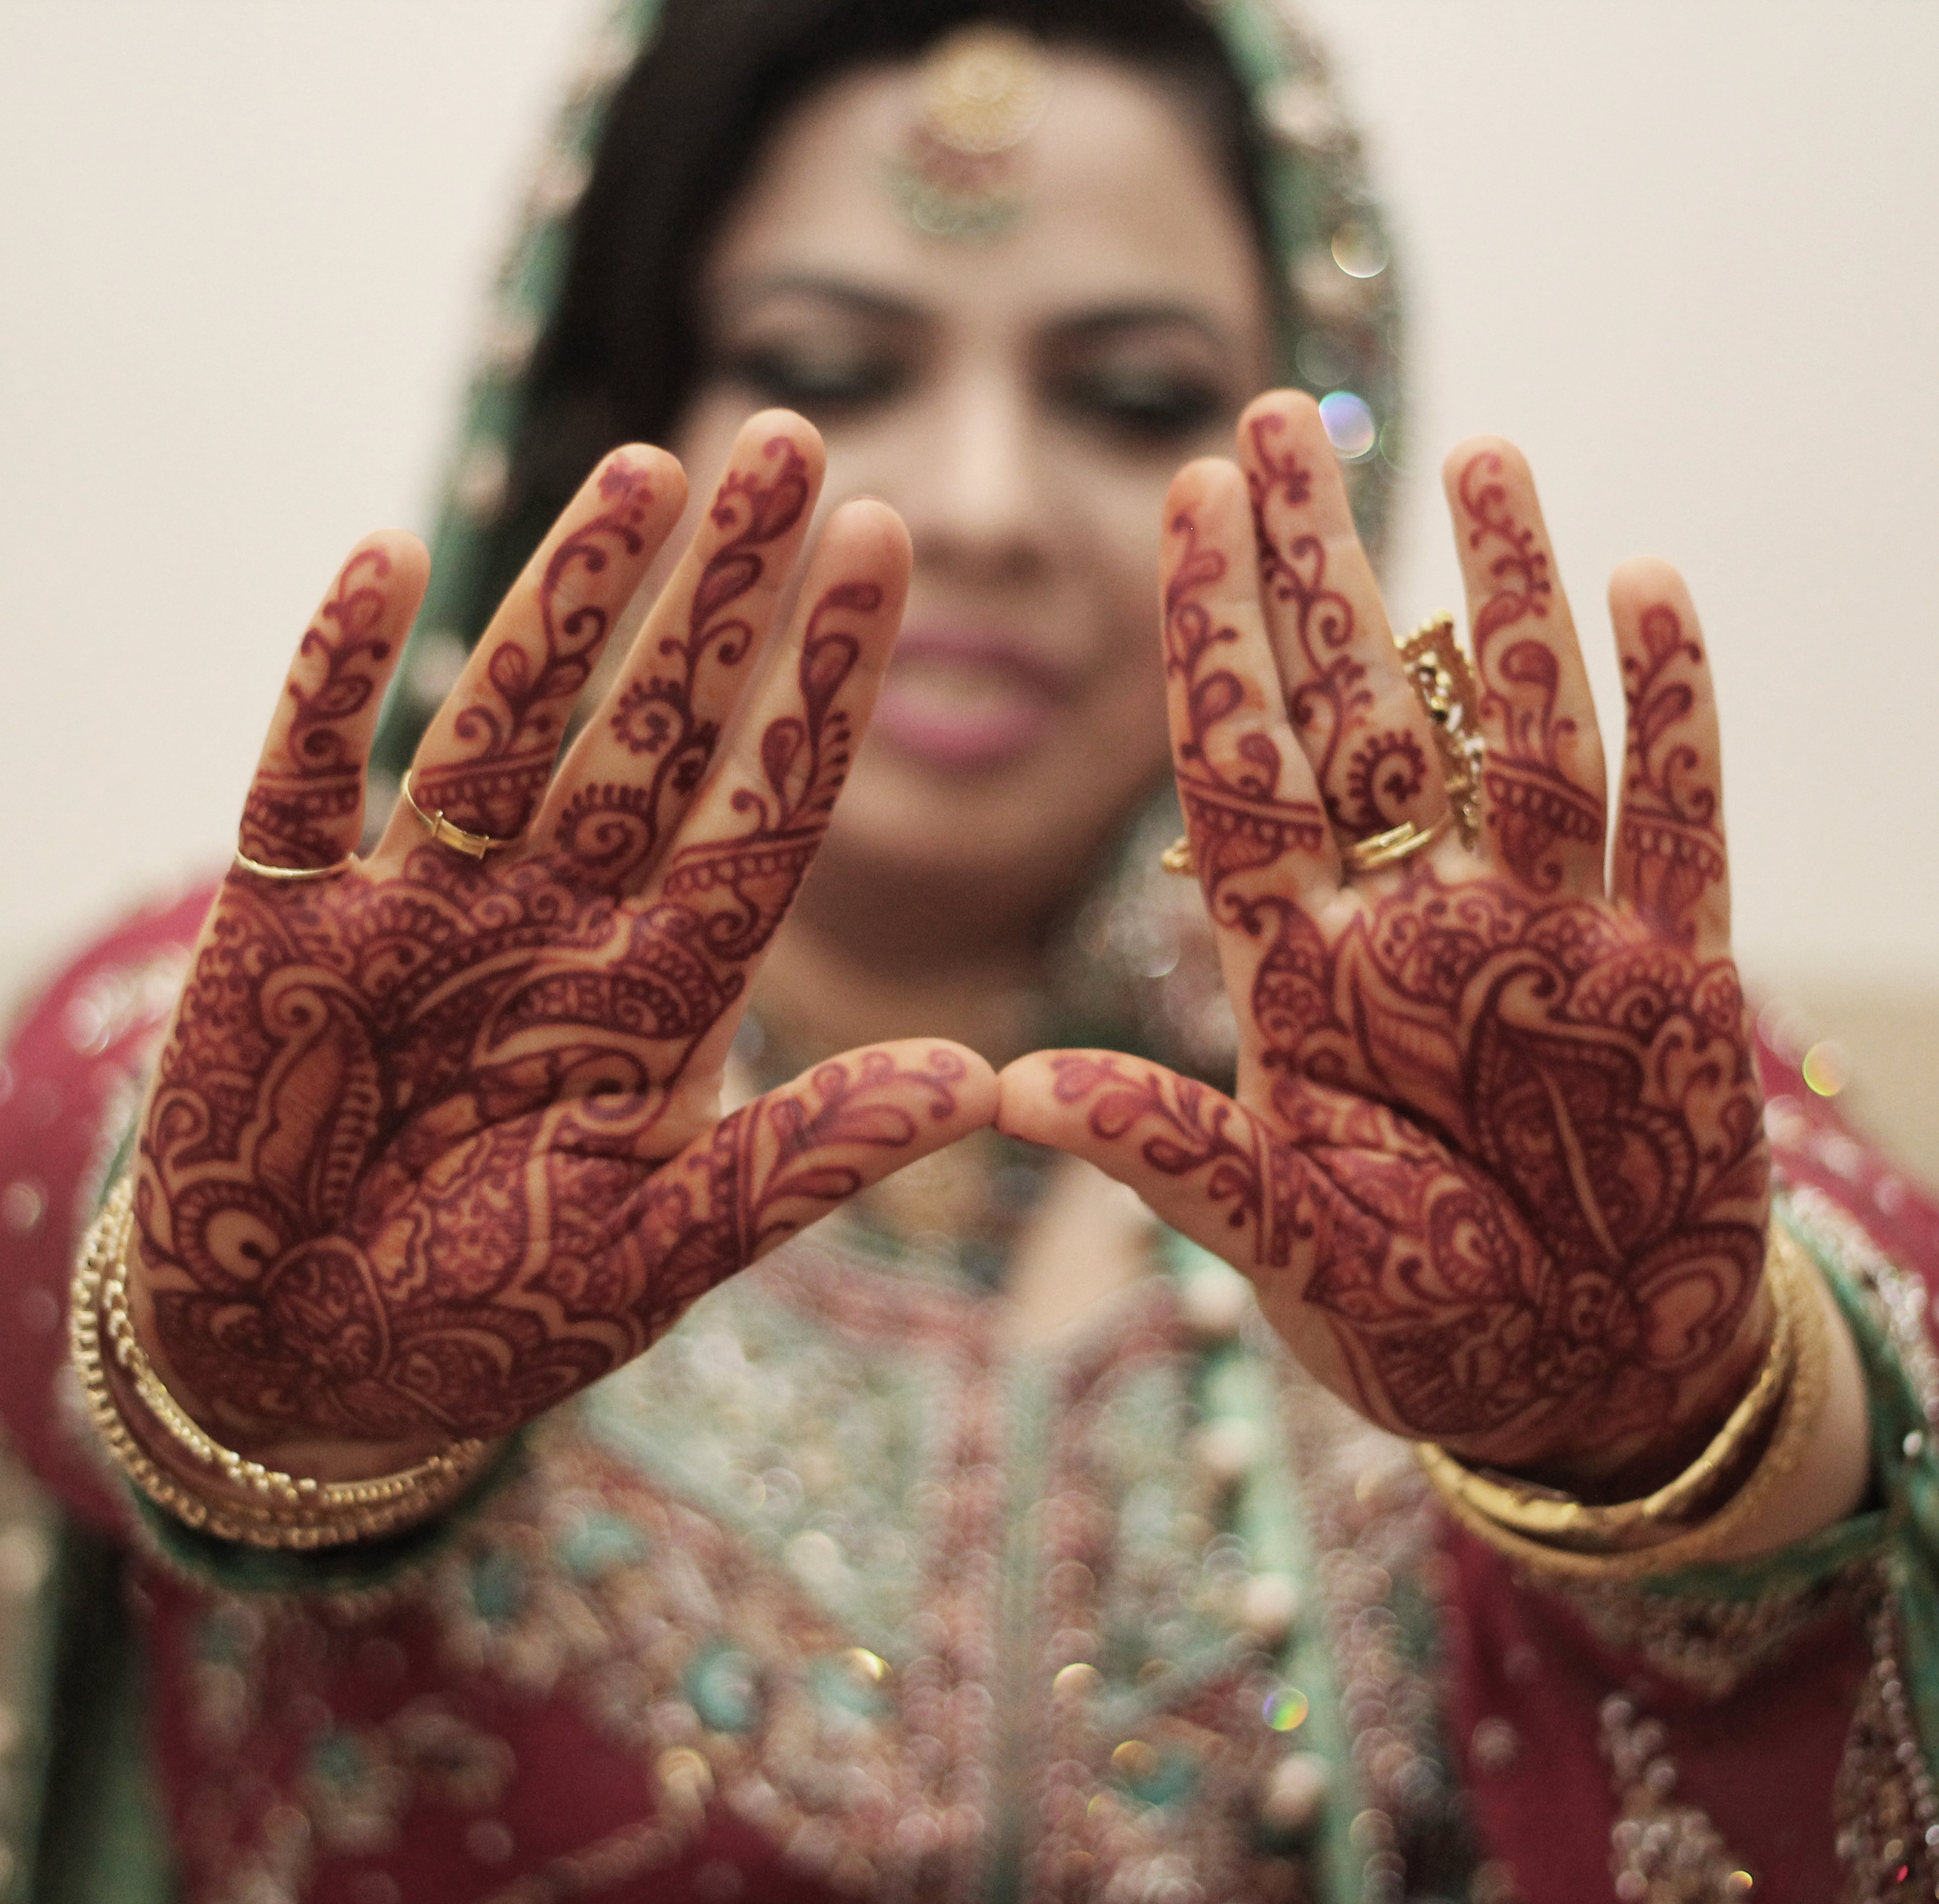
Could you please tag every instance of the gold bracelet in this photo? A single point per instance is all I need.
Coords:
(1470, 1499)
(203, 1484)
(1547, 1514)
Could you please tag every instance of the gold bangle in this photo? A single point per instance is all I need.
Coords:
(251, 1502)
(1470, 1498)
(1548, 1515)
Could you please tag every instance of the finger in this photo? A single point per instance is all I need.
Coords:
(489, 750)
(633, 773)
(737, 858)
(1202, 1163)
(306, 804)
(1544, 787)
(1670, 866)
(1370, 741)
(786, 1160)
(1251, 809)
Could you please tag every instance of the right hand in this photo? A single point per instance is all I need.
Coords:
(436, 1142)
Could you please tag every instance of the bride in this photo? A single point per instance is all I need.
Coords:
(765, 1287)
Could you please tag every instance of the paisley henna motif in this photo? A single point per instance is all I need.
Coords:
(1512, 1153)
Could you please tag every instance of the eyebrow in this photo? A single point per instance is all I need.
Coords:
(1100, 325)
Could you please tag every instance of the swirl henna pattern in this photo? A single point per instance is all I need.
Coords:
(1496, 1161)
(614, 829)
(1367, 777)
(1668, 835)
(306, 805)
(430, 1147)
(511, 727)
(1533, 805)
(1234, 814)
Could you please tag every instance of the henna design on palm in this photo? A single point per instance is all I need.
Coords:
(1511, 1152)
(1496, 1160)
(1533, 804)
(433, 1144)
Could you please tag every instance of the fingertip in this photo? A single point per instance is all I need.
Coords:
(1020, 1083)
(655, 471)
(869, 532)
(765, 426)
(1643, 581)
(1295, 406)
(1202, 483)
(1488, 455)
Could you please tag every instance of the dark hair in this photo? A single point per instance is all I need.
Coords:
(685, 129)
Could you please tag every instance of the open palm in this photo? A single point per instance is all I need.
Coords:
(437, 1141)
(1496, 1161)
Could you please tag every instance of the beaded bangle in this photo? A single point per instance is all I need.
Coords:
(193, 1477)
(1552, 1533)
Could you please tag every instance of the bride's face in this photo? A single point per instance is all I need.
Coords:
(1022, 401)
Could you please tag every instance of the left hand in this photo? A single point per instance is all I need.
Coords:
(1496, 1163)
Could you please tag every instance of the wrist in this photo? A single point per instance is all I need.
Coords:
(1629, 1466)
(1738, 1486)
(180, 1468)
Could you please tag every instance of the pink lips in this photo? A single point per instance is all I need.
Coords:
(965, 700)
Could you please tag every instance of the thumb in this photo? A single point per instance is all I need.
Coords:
(766, 1172)
(1201, 1162)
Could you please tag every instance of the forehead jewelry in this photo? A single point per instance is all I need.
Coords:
(982, 93)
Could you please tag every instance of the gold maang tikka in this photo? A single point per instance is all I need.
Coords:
(982, 93)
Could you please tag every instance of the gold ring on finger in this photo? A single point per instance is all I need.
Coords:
(292, 873)
(445, 832)
(1396, 844)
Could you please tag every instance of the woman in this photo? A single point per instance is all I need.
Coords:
(987, 1539)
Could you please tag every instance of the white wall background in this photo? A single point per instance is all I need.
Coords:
(1684, 250)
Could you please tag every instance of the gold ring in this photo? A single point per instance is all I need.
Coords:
(474, 845)
(293, 872)
(1177, 857)
(1396, 844)
(1444, 683)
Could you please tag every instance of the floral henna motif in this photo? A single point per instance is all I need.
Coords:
(1366, 779)
(512, 726)
(304, 811)
(1669, 836)
(1533, 806)
(1233, 812)
(1511, 1152)
(614, 830)
(406, 1171)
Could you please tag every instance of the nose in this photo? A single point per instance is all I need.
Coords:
(976, 492)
